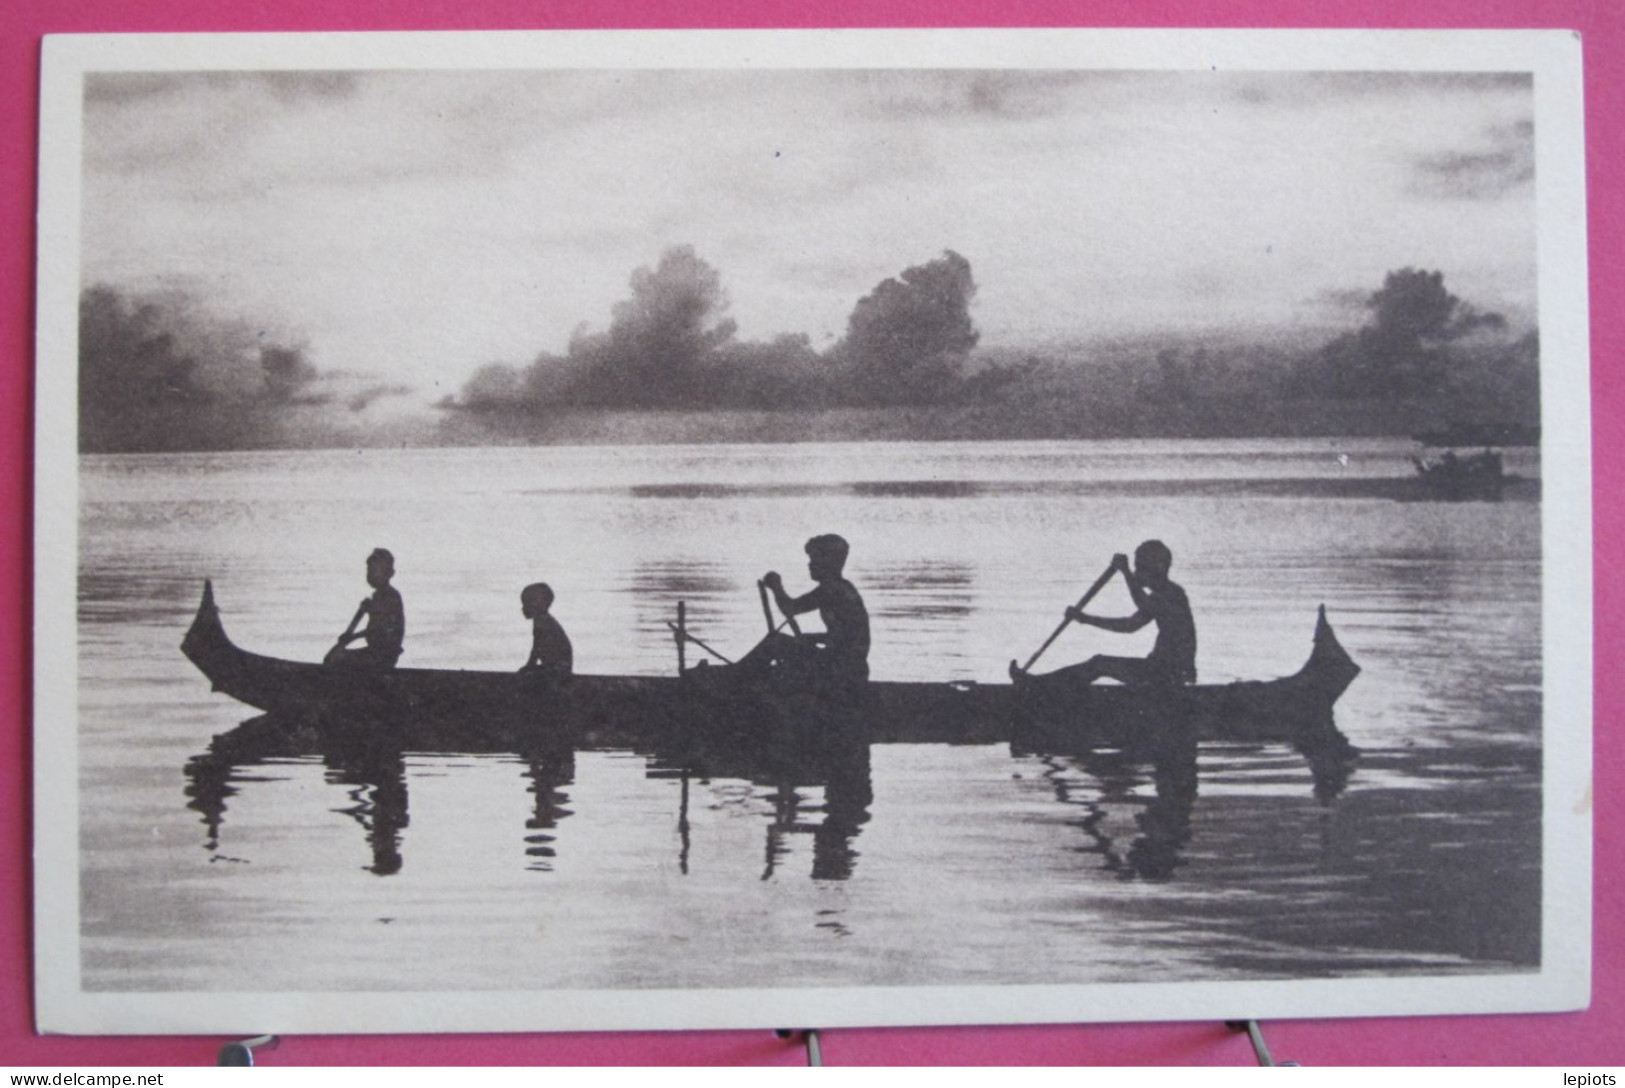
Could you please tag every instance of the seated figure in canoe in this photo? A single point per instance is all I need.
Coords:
(551, 655)
(1157, 599)
(386, 621)
(836, 659)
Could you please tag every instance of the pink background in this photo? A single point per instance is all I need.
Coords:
(1595, 1037)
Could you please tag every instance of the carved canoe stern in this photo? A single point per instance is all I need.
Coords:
(206, 643)
(1329, 666)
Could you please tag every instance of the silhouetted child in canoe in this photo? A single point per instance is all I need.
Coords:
(385, 632)
(1157, 599)
(550, 651)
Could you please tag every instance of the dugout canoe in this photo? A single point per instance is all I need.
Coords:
(473, 710)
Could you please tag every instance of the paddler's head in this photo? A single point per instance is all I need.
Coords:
(826, 557)
(535, 599)
(380, 568)
(1151, 562)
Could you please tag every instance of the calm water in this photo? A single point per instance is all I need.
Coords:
(921, 865)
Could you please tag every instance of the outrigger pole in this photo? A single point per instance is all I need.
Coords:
(684, 635)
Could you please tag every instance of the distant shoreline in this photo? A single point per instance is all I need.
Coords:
(944, 423)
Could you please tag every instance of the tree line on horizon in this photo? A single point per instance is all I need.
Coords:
(159, 374)
(671, 345)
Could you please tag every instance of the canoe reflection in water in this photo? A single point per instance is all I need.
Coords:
(1103, 782)
(374, 777)
(374, 772)
(377, 789)
(841, 768)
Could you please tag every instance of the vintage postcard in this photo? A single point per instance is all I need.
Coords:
(552, 531)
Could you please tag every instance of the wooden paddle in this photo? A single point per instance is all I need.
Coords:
(1083, 602)
(767, 607)
(355, 621)
(767, 611)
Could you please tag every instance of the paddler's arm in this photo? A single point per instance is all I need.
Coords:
(1123, 625)
(350, 633)
(790, 606)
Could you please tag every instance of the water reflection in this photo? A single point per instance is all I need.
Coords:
(1331, 757)
(209, 785)
(848, 792)
(703, 587)
(791, 764)
(937, 591)
(373, 777)
(216, 776)
(673, 580)
(376, 782)
(1108, 784)
(1164, 821)
(818, 780)
(549, 768)
(789, 752)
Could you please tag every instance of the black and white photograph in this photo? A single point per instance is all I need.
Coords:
(626, 530)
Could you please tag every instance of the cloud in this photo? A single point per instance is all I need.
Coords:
(1313, 90)
(419, 223)
(828, 272)
(1402, 349)
(361, 401)
(222, 135)
(1343, 300)
(292, 88)
(979, 94)
(1502, 164)
(159, 373)
(203, 130)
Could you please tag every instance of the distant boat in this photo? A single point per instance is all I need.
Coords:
(1478, 476)
(469, 710)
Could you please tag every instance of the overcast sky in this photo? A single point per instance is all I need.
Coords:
(414, 225)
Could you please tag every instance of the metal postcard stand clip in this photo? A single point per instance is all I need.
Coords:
(243, 1053)
(815, 1053)
(1260, 1050)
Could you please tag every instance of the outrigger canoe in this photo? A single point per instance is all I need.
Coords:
(445, 709)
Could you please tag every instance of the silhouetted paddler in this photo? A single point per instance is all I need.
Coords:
(385, 614)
